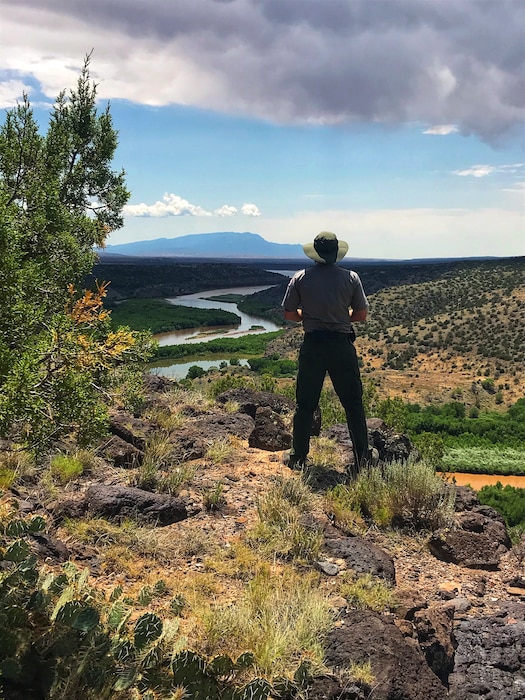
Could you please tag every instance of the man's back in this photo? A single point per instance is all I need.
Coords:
(325, 293)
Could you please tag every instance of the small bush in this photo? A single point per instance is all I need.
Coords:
(402, 494)
(283, 530)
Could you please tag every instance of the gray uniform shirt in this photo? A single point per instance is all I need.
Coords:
(325, 293)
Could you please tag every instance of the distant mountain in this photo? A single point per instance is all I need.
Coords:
(221, 245)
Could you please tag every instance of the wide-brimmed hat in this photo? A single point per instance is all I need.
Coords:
(326, 248)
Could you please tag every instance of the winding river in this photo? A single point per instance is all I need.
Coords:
(202, 300)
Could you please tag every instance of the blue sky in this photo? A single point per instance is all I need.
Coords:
(398, 124)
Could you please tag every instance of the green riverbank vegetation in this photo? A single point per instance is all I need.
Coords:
(159, 316)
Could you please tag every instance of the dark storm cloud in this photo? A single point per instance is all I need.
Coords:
(431, 61)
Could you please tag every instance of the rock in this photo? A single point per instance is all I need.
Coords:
(157, 384)
(487, 521)
(120, 502)
(408, 603)
(473, 550)
(490, 656)
(194, 438)
(390, 446)
(434, 628)
(249, 401)
(270, 432)
(466, 498)
(48, 547)
(330, 687)
(123, 454)
(130, 429)
(361, 556)
(400, 671)
(327, 567)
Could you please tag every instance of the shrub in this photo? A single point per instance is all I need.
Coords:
(402, 494)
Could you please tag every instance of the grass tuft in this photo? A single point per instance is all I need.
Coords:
(280, 618)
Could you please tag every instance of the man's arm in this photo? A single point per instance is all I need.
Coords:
(296, 315)
(358, 315)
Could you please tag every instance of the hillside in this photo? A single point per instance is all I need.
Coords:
(182, 530)
(152, 278)
(436, 332)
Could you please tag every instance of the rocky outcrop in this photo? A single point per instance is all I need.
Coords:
(478, 539)
(390, 446)
(359, 555)
(270, 432)
(490, 656)
(399, 669)
(194, 438)
(121, 502)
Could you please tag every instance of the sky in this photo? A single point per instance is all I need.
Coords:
(397, 124)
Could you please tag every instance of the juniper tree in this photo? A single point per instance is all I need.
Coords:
(59, 197)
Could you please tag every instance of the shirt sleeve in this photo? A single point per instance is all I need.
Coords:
(291, 300)
(359, 300)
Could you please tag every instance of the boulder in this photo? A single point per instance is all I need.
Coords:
(270, 432)
(490, 656)
(434, 629)
(121, 502)
(194, 438)
(360, 555)
(130, 429)
(399, 669)
(473, 550)
(249, 401)
(121, 453)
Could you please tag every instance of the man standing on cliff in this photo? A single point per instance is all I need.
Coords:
(327, 299)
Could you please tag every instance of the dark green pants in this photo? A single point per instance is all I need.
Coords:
(333, 353)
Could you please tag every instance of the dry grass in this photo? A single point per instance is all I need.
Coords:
(280, 618)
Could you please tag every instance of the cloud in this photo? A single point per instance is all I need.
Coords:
(484, 170)
(250, 210)
(476, 171)
(441, 130)
(171, 205)
(11, 92)
(315, 62)
(226, 210)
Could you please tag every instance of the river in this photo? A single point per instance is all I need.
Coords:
(201, 300)
(477, 481)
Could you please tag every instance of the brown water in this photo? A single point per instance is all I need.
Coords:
(477, 481)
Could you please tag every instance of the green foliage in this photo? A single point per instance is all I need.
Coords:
(367, 592)
(62, 638)
(273, 367)
(394, 412)
(158, 316)
(431, 448)
(64, 468)
(254, 344)
(507, 500)
(486, 459)
(399, 494)
(195, 372)
(59, 197)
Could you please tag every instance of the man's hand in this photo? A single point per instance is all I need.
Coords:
(358, 315)
(296, 315)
